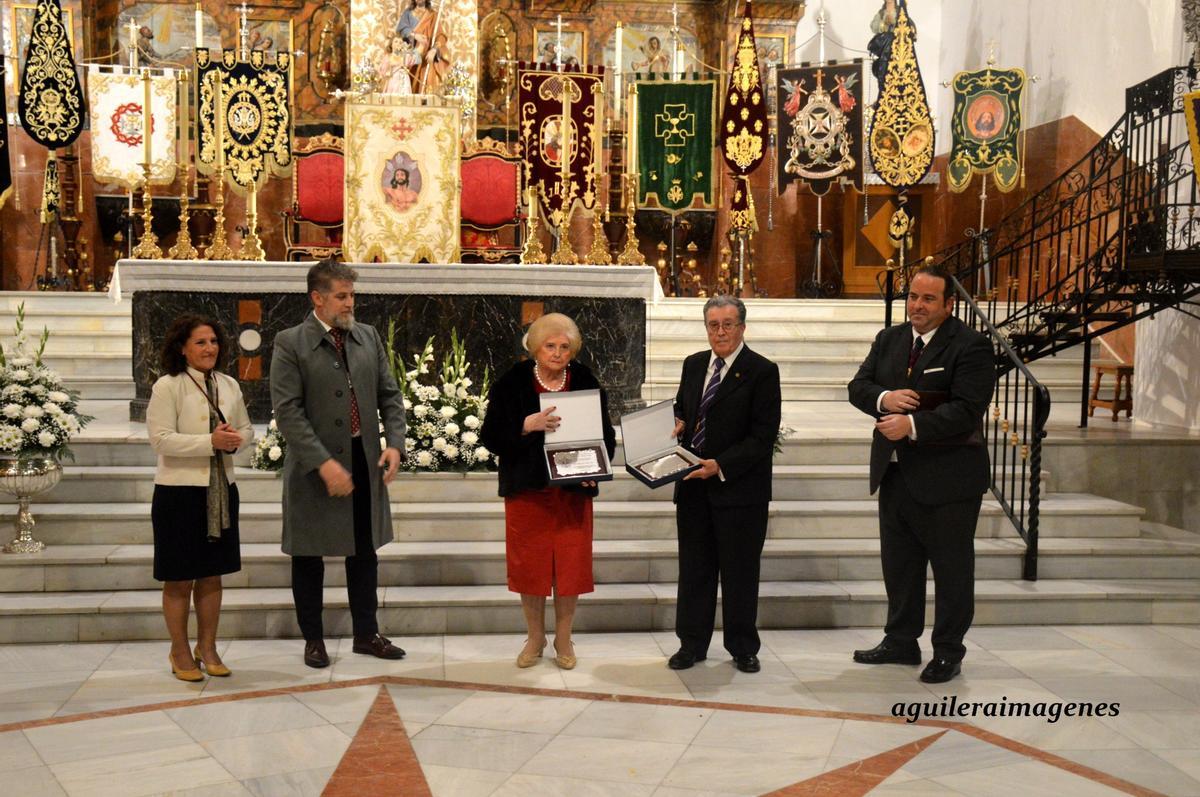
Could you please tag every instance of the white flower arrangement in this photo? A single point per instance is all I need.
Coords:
(39, 416)
(270, 450)
(439, 405)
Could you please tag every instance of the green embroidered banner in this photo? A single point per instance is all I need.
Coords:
(675, 144)
(985, 127)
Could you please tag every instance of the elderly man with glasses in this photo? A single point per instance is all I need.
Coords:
(727, 411)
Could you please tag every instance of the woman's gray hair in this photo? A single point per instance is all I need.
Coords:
(550, 325)
(727, 301)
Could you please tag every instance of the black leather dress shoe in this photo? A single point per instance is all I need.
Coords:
(378, 646)
(315, 655)
(939, 671)
(887, 653)
(683, 660)
(747, 663)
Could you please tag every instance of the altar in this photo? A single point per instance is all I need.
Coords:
(489, 306)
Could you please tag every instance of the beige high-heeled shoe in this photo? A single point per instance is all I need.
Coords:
(184, 675)
(565, 661)
(219, 670)
(526, 660)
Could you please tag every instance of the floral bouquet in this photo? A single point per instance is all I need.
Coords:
(269, 450)
(442, 413)
(38, 415)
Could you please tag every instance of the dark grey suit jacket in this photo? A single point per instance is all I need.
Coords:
(948, 461)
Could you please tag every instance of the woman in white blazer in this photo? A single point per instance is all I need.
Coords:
(197, 421)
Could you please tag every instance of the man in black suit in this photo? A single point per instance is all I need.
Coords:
(727, 412)
(927, 383)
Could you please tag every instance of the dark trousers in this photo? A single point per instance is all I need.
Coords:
(718, 543)
(362, 569)
(913, 535)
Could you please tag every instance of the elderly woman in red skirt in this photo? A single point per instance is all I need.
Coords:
(548, 530)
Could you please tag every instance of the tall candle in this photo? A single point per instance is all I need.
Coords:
(681, 59)
(147, 119)
(617, 71)
(184, 127)
(133, 51)
(220, 121)
(199, 27)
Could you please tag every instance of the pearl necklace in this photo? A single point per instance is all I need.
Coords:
(562, 382)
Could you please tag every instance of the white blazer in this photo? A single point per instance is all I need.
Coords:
(177, 421)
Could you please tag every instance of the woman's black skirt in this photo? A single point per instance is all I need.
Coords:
(182, 550)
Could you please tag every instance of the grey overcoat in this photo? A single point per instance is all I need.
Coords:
(311, 398)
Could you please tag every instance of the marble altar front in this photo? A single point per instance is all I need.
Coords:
(490, 306)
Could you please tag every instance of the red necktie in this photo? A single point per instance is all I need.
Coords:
(339, 343)
(915, 354)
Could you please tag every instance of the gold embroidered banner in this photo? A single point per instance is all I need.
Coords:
(115, 100)
(902, 130)
(402, 181)
(6, 183)
(744, 126)
(255, 116)
(50, 99)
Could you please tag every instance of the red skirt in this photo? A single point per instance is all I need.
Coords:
(548, 542)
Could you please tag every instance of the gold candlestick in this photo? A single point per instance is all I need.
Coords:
(564, 255)
(147, 248)
(218, 247)
(630, 255)
(599, 255)
(533, 252)
(251, 245)
(183, 249)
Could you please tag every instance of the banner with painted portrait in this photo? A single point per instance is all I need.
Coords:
(821, 126)
(901, 142)
(676, 144)
(402, 181)
(115, 100)
(986, 127)
(559, 130)
(255, 116)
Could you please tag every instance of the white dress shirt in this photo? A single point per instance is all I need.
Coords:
(912, 423)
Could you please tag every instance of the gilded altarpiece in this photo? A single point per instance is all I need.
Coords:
(402, 182)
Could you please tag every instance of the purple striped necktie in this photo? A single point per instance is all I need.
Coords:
(710, 392)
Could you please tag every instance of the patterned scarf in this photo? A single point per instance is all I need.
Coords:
(218, 484)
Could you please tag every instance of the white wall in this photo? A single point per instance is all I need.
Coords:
(1166, 374)
(1084, 52)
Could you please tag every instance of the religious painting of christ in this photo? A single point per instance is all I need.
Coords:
(574, 46)
(401, 182)
(985, 117)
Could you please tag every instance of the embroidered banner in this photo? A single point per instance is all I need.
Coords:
(255, 116)
(986, 126)
(676, 140)
(821, 126)
(1191, 112)
(402, 181)
(50, 99)
(115, 100)
(6, 183)
(902, 130)
(744, 123)
(545, 97)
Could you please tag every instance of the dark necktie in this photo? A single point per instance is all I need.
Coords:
(339, 343)
(710, 392)
(915, 354)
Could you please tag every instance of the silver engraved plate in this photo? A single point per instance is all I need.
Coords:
(664, 466)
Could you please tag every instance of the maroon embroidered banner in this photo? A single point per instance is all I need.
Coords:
(560, 166)
(744, 126)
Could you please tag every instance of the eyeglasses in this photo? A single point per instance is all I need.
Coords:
(728, 326)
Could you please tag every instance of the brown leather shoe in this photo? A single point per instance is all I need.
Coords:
(378, 646)
(315, 655)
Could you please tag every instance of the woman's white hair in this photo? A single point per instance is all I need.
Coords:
(547, 327)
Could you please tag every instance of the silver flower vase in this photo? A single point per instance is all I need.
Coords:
(23, 478)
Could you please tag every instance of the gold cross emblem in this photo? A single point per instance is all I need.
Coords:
(674, 125)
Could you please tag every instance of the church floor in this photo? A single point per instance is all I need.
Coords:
(458, 718)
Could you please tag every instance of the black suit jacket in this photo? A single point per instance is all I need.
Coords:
(522, 461)
(947, 462)
(742, 424)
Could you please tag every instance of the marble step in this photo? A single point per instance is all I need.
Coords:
(135, 484)
(269, 613)
(82, 343)
(805, 446)
(1062, 515)
(87, 303)
(74, 568)
(67, 321)
(111, 364)
(101, 387)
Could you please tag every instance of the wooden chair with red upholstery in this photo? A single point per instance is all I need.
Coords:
(491, 202)
(318, 200)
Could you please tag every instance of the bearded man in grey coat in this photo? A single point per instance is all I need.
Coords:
(330, 385)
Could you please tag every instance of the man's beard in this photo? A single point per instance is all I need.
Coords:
(343, 321)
